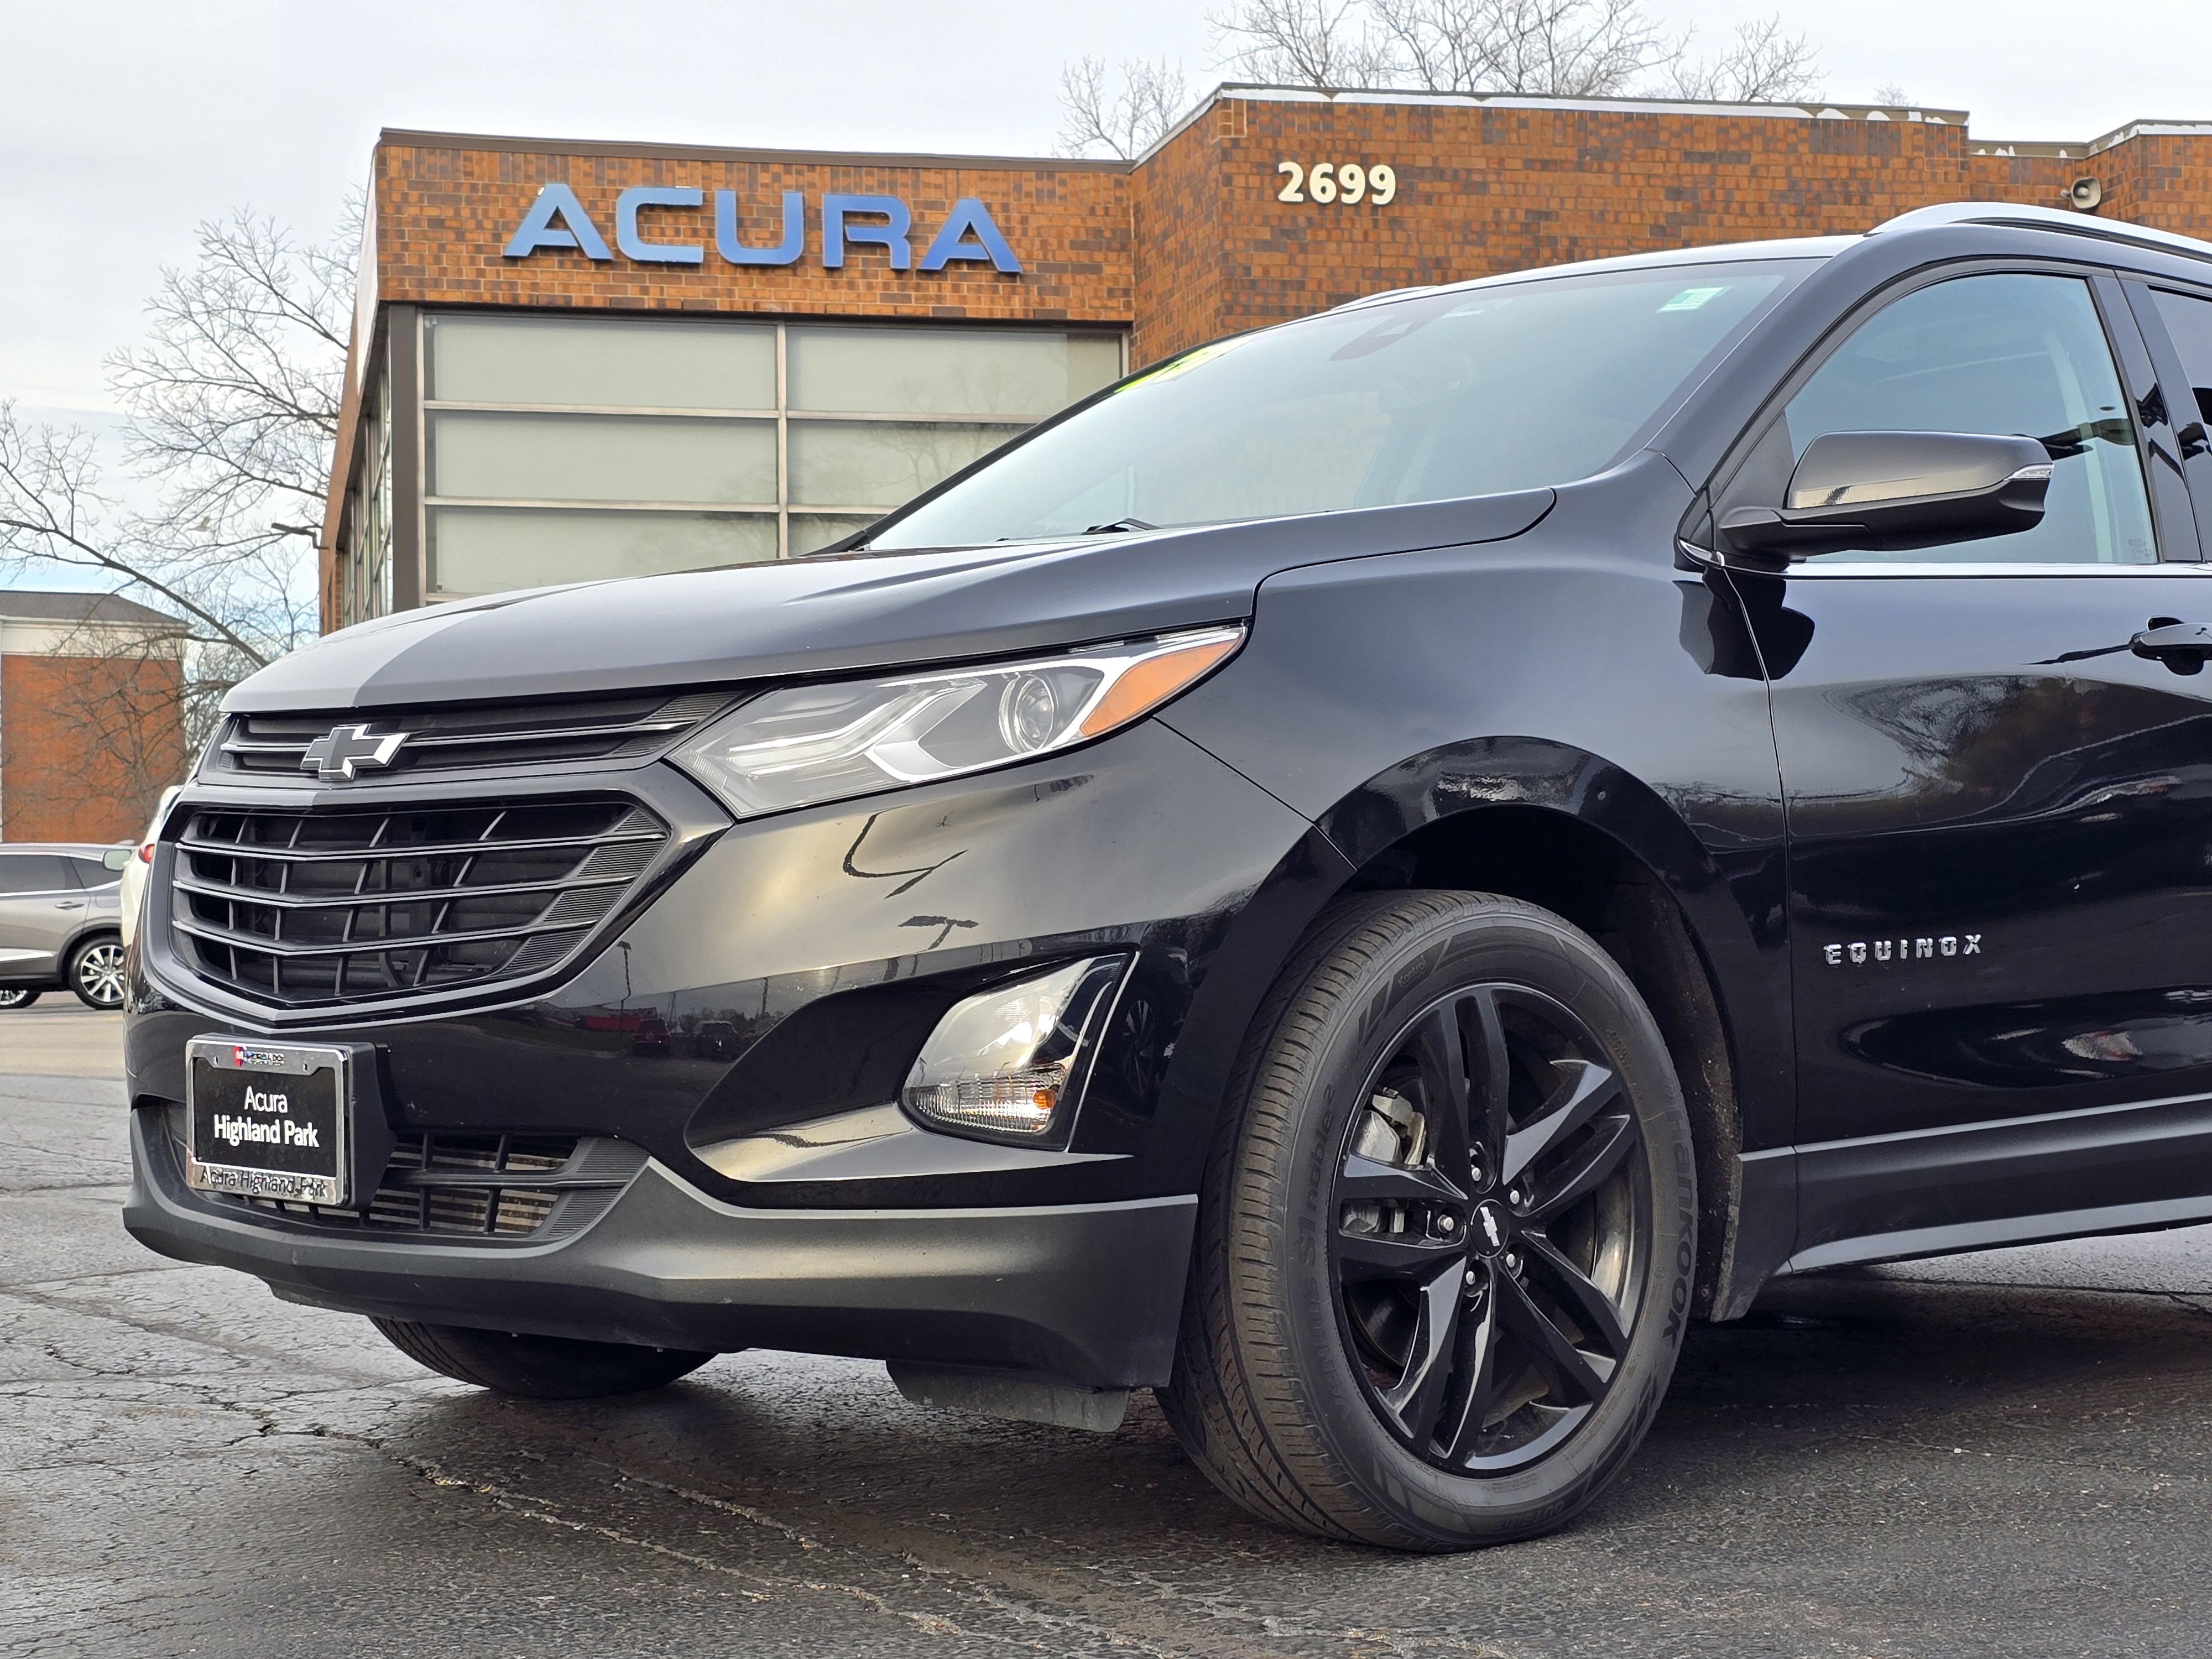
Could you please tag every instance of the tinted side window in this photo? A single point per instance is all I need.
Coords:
(2190, 322)
(93, 874)
(2007, 354)
(33, 873)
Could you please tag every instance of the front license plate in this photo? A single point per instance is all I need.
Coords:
(269, 1120)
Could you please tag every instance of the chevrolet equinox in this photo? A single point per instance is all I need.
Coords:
(1360, 879)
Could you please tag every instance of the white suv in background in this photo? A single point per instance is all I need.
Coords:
(134, 870)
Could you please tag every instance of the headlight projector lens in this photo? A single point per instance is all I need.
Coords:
(1029, 714)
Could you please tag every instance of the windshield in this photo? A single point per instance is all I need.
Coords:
(1428, 398)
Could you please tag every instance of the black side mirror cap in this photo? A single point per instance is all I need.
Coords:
(1887, 491)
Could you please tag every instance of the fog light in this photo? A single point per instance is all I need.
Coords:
(1003, 1063)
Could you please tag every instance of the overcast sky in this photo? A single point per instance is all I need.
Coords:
(123, 124)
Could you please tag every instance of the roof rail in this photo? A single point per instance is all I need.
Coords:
(2022, 217)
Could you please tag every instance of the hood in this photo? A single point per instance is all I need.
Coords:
(844, 614)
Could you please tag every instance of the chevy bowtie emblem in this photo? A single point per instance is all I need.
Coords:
(348, 750)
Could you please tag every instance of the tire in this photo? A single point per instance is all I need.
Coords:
(538, 1367)
(17, 999)
(96, 972)
(1363, 1351)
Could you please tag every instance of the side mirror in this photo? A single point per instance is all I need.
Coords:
(1884, 491)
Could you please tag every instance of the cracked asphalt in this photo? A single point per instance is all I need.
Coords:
(2006, 1454)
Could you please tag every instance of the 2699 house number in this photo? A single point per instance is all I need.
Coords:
(1338, 181)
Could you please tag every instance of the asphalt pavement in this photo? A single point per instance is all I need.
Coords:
(2005, 1453)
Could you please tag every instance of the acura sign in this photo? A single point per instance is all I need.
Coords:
(557, 220)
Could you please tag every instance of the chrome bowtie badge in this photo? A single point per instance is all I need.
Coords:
(348, 750)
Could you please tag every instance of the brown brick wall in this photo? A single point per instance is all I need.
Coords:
(1193, 242)
(444, 213)
(1487, 189)
(87, 745)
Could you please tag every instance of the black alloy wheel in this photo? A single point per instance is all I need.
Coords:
(17, 999)
(1493, 1218)
(1447, 1231)
(96, 973)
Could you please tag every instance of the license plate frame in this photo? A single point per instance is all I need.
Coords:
(298, 1166)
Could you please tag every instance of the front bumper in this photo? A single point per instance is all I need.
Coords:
(823, 945)
(792, 969)
(1045, 1290)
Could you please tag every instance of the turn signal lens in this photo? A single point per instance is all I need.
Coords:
(1152, 680)
(807, 743)
(1003, 1063)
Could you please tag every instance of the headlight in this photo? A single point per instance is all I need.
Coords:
(815, 743)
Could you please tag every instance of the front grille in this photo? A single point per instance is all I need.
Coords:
(296, 907)
(450, 737)
(476, 1186)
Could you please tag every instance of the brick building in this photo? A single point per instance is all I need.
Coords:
(91, 716)
(573, 359)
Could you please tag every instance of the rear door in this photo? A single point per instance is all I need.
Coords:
(41, 907)
(101, 878)
(2000, 814)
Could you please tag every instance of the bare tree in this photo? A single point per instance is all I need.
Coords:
(1306, 43)
(1763, 65)
(1890, 93)
(1126, 122)
(234, 398)
(241, 596)
(1559, 48)
(1556, 48)
(233, 405)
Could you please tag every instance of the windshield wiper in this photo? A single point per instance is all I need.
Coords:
(1119, 526)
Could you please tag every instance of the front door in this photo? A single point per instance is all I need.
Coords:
(40, 907)
(2000, 811)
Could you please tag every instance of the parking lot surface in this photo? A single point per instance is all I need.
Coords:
(2004, 1454)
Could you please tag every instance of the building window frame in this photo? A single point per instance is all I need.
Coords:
(413, 474)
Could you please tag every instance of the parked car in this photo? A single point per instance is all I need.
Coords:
(133, 891)
(1360, 879)
(649, 1036)
(714, 1039)
(60, 922)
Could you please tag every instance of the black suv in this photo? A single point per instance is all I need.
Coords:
(1359, 880)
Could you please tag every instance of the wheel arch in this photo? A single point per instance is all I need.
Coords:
(1570, 831)
(107, 927)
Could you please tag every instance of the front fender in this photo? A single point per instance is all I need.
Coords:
(1574, 670)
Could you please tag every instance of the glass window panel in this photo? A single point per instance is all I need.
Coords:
(1094, 362)
(880, 463)
(953, 371)
(627, 363)
(585, 458)
(1429, 397)
(491, 550)
(811, 531)
(2189, 321)
(34, 872)
(2006, 353)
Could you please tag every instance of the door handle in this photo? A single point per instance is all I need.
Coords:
(70, 905)
(2183, 647)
